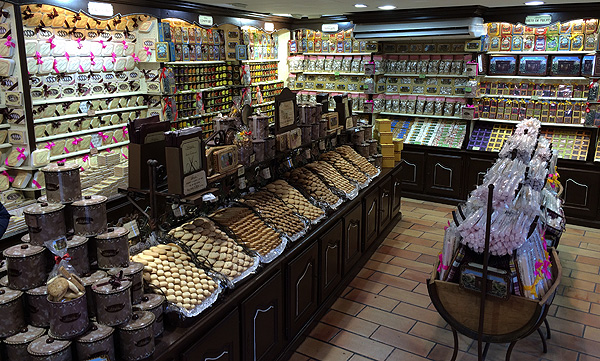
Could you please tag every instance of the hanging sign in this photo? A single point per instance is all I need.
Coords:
(538, 20)
(205, 20)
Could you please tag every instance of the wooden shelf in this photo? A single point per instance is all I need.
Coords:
(260, 61)
(84, 115)
(86, 151)
(264, 104)
(81, 132)
(541, 52)
(88, 97)
(194, 62)
(423, 116)
(6, 145)
(342, 54)
(506, 121)
(330, 73)
(428, 75)
(533, 77)
(202, 90)
(532, 97)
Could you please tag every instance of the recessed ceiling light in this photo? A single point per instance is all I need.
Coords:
(386, 7)
(360, 5)
(534, 3)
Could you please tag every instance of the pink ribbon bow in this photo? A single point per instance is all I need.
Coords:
(10, 179)
(148, 51)
(55, 68)
(102, 42)
(125, 131)
(103, 68)
(81, 68)
(79, 44)
(77, 141)
(85, 158)
(50, 145)
(104, 136)
(92, 57)
(114, 139)
(36, 184)
(446, 227)
(38, 57)
(66, 150)
(125, 46)
(441, 265)
(113, 56)
(135, 58)
(67, 56)
(108, 150)
(9, 42)
(51, 41)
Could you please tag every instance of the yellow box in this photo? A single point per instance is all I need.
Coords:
(383, 125)
(397, 156)
(398, 145)
(384, 137)
(388, 162)
(387, 150)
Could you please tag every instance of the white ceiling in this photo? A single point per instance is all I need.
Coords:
(316, 8)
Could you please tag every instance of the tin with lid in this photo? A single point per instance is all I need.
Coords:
(363, 149)
(88, 280)
(259, 125)
(77, 247)
(4, 281)
(259, 150)
(368, 132)
(69, 319)
(89, 216)
(358, 136)
(12, 317)
(98, 341)
(113, 300)
(378, 160)
(306, 134)
(68, 212)
(45, 221)
(112, 248)
(372, 146)
(38, 306)
(270, 147)
(47, 348)
(62, 182)
(137, 337)
(16, 345)
(154, 303)
(134, 273)
(323, 125)
(25, 266)
(314, 131)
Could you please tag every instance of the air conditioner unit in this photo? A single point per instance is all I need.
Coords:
(467, 28)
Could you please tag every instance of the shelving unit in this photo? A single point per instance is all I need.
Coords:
(533, 97)
(85, 115)
(87, 97)
(421, 115)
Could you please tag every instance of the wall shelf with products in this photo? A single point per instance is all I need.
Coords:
(525, 77)
(532, 97)
(85, 115)
(421, 115)
(87, 97)
(507, 121)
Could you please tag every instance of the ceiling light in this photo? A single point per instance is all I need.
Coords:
(269, 26)
(386, 7)
(534, 3)
(360, 5)
(287, 15)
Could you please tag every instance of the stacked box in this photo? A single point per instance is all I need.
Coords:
(383, 133)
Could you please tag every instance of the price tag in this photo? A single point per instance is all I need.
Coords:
(337, 73)
(178, 211)
(475, 148)
(422, 76)
(133, 228)
(266, 173)
(94, 151)
(91, 112)
(241, 171)
(322, 145)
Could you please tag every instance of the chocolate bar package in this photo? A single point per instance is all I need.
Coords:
(534, 65)
(503, 65)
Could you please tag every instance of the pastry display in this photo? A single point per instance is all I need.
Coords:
(250, 230)
(276, 212)
(292, 197)
(311, 184)
(361, 162)
(331, 176)
(212, 244)
(344, 167)
(168, 268)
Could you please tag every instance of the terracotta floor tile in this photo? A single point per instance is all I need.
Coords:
(398, 252)
(371, 299)
(324, 332)
(381, 257)
(425, 250)
(581, 294)
(384, 267)
(401, 355)
(350, 323)
(571, 342)
(406, 296)
(398, 282)
(299, 357)
(420, 314)
(347, 306)
(584, 357)
(362, 346)
(414, 265)
(423, 222)
(359, 358)
(411, 232)
(427, 259)
(595, 309)
(415, 241)
(390, 320)
(566, 326)
(565, 281)
(592, 333)
(366, 285)
(578, 316)
(422, 289)
(590, 277)
(415, 276)
(365, 273)
(580, 266)
(587, 260)
(440, 335)
(323, 351)
(444, 353)
(572, 303)
(403, 341)
(428, 229)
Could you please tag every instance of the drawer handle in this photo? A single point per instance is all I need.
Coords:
(396, 184)
(308, 266)
(371, 209)
(329, 246)
(385, 194)
(216, 358)
(254, 325)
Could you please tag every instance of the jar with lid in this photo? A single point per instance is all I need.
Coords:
(358, 136)
(36, 301)
(68, 319)
(363, 149)
(154, 303)
(137, 337)
(62, 182)
(112, 248)
(368, 132)
(89, 216)
(259, 150)
(25, 266)
(98, 341)
(77, 247)
(12, 317)
(47, 348)
(113, 300)
(134, 273)
(16, 345)
(45, 221)
(88, 281)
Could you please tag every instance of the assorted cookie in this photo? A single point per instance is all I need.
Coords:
(361, 162)
(275, 212)
(65, 287)
(331, 176)
(344, 167)
(294, 198)
(312, 185)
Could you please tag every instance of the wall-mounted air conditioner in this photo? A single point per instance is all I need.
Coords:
(458, 28)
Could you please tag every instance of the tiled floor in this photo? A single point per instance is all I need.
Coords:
(386, 314)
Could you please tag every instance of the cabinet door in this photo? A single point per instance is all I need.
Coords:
(385, 203)
(580, 192)
(302, 288)
(221, 343)
(413, 170)
(443, 175)
(396, 192)
(331, 259)
(352, 237)
(371, 217)
(476, 171)
(262, 321)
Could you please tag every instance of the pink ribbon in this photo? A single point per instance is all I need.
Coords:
(446, 227)
(77, 141)
(441, 264)
(92, 57)
(36, 184)
(125, 46)
(50, 145)
(114, 139)
(81, 68)
(148, 51)
(55, 68)
(135, 58)
(102, 42)
(10, 179)
(81, 169)
(79, 45)
(125, 131)
(113, 56)
(9, 42)
(85, 158)
(108, 150)
(66, 150)
(38, 57)
(124, 156)
(104, 136)
(67, 56)
(103, 68)
(51, 41)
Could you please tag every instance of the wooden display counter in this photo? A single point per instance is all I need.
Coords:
(267, 316)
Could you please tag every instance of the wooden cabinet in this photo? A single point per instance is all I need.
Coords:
(302, 287)
(580, 192)
(371, 217)
(221, 343)
(263, 321)
(476, 170)
(331, 251)
(352, 237)
(385, 203)
(443, 175)
(396, 192)
(413, 170)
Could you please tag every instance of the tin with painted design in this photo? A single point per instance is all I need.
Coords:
(137, 337)
(88, 280)
(12, 317)
(47, 348)
(77, 247)
(62, 182)
(98, 341)
(134, 273)
(112, 248)
(69, 319)
(154, 303)
(89, 216)
(113, 300)
(45, 221)
(16, 345)
(36, 302)
(25, 266)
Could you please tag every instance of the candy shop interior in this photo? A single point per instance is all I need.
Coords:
(202, 182)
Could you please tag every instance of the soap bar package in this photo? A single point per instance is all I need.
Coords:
(565, 65)
(503, 65)
(186, 168)
(533, 65)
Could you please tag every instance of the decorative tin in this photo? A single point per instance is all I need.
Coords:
(112, 248)
(358, 137)
(68, 212)
(62, 182)
(363, 149)
(134, 274)
(89, 216)
(12, 318)
(378, 160)
(306, 134)
(323, 124)
(77, 247)
(154, 303)
(372, 146)
(47, 348)
(259, 150)
(503, 65)
(88, 281)
(137, 337)
(113, 300)
(69, 319)
(16, 345)
(99, 341)
(39, 307)
(270, 147)
(314, 131)
(26, 266)
(368, 132)
(259, 125)
(45, 221)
